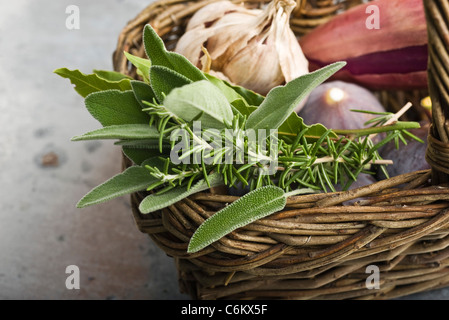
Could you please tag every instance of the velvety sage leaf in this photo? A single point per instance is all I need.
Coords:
(142, 143)
(142, 65)
(113, 107)
(86, 84)
(200, 97)
(155, 162)
(131, 180)
(281, 101)
(242, 107)
(156, 202)
(295, 124)
(164, 80)
(234, 92)
(142, 92)
(159, 55)
(227, 91)
(251, 97)
(231, 95)
(254, 205)
(113, 76)
(124, 131)
(139, 155)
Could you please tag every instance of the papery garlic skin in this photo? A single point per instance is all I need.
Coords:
(252, 48)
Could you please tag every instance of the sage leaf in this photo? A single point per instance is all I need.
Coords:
(113, 76)
(142, 143)
(158, 54)
(156, 202)
(242, 107)
(254, 205)
(164, 80)
(139, 155)
(235, 92)
(200, 97)
(295, 124)
(131, 180)
(86, 84)
(113, 107)
(227, 91)
(124, 131)
(280, 101)
(142, 92)
(251, 97)
(142, 65)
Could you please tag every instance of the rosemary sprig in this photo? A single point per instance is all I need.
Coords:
(319, 163)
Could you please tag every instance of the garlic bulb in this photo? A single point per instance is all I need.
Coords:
(252, 48)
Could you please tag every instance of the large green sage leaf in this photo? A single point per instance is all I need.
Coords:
(143, 143)
(142, 92)
(159, 55)
(294, 124)
(123, 131)
(164, 80)
(234, 92)
(142, 65)
(253, 206)
(86, 84)
(140, 155)
(113, 107)
(112, 76)
(242, 107)
(131, 180)
(251, 97)
(200, 97)
(281, 101)
(156, 202)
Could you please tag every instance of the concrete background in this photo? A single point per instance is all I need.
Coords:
(41, 231)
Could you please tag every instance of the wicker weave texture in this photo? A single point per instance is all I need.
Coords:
(320, 246)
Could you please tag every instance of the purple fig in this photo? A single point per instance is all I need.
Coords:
(408, 158)
(331, 103)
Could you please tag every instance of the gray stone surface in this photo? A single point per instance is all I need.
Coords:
(41, 231)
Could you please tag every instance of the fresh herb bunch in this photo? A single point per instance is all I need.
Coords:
(187, 131)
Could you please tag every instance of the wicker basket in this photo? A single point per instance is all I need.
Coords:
(319, 247)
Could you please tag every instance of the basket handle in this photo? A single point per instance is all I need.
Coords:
(437, 153)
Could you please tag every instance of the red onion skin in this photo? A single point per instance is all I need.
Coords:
(404, 68)
(391, 57)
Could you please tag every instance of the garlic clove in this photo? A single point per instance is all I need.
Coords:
(210, 15)
(229, 39)
(253, 48)
(190, 44)
(253, 59)
(292, 60)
